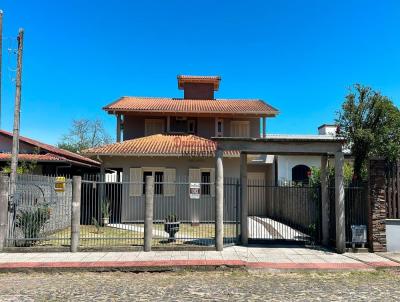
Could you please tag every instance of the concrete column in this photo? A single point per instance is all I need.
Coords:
(76, 213)
(325, 200)
(118, 136)
(219, 201)
(339, 204)
(244, 202)
(4, 186)
(148, 210)
(168, 124)
(264, 119)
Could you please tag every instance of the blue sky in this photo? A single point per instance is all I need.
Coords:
(299, 56)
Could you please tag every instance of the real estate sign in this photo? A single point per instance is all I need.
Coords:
(194, 190)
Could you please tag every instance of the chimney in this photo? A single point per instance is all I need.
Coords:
(326, 129)
(198, 87)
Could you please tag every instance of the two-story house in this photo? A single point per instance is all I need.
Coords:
(169, 138)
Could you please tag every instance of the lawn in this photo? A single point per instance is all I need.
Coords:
(90, 236)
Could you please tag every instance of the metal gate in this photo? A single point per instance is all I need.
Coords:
(39, 215)
(289, 213)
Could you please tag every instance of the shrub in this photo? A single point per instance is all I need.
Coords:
(31, 222)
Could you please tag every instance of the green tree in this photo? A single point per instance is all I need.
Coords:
(371, 124)
(84, 134)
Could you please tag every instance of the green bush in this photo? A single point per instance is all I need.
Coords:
(31, 222)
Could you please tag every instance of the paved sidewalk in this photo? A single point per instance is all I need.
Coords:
(253, 257)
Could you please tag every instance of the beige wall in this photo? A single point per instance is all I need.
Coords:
(180, 204)
(134, 126)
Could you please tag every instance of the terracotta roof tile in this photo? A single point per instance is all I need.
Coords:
(54, 150)
(162, 145)
(237, 107)
(33, 157)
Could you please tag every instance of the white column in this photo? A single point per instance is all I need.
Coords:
(219, 201)
(339, 204)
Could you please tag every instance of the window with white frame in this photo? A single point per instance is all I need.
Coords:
(240, 129)
(164, 180)
(153, 126)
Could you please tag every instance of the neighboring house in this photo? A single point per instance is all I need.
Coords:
(298, 168)
(169, 138)
(47, 159)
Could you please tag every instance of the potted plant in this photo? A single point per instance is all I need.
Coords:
(171, 226)
(105, 211)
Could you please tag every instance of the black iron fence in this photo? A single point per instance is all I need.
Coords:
(39, 212)
(356, 209)
(290, 213)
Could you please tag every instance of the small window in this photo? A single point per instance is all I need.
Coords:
(158, 181)
(205, 183)
(191, 126)
(219, 127)
(301, 174)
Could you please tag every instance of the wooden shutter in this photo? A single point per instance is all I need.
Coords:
(135, 182)
(153, 126)
(212, 181)
(194, 175)
(169, 179)
(240, 129)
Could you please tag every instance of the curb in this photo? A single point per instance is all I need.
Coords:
(176, 265)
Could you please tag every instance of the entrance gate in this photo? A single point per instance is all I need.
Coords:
(290, 213)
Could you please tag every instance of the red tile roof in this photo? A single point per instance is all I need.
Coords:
(33, 157)
(174, 106)
(162, 145)
(56, 152)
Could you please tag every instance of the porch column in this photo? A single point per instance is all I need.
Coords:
(339, 204)
(243, 197)
(118, 128)
(325, 200)
(219, 200)
(264, 122)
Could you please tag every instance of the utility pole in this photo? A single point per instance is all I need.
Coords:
(17, 110)
(1, 55)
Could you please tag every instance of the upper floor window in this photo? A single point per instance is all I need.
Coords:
(219, 127)
(182, 125)
(153, 126)
(240, 129)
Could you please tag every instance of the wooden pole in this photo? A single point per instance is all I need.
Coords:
(1, 55)
(17, 110)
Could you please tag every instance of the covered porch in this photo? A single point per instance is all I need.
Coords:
(311, 145)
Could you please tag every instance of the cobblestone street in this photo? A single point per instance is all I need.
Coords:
(193, 286)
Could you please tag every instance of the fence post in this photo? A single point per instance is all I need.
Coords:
(148, 209)
(339, 204)
(219, 201)
(76, 212)
(3, 210)
(243, 199)
(325, 200)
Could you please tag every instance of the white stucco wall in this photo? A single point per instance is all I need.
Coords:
(287, 162)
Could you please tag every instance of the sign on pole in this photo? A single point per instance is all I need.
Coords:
(194, 190)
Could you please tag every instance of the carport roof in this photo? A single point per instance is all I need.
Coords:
(283, 144)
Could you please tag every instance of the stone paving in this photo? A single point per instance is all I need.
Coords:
(200, 286)
(251, 257)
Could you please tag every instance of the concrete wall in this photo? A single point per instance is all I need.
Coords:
(393, 235)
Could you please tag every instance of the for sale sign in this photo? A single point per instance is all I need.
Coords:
(194, 190)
